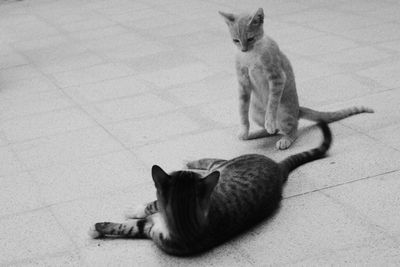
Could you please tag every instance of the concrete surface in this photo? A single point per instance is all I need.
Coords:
(93, 92)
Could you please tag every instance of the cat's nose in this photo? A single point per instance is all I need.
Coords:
(244, 49)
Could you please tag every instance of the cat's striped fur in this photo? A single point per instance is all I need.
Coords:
(193, 213)
(267, 87)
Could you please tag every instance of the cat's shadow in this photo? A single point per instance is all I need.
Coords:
(267, 145)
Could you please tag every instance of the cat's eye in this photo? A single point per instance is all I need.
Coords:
(235, 40)
(251, 39)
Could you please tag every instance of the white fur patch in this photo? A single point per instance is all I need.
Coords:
(93, 233)
(137, 212)
(159, 225)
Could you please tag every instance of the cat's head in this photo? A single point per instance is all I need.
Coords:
(184, 197)
(245, 29)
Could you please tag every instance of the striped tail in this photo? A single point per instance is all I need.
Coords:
(313, 115)
(294, 161)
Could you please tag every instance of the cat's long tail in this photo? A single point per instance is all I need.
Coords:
(294, 161)
(314, 115)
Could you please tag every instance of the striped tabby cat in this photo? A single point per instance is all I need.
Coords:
(267, 84)
(194, 213)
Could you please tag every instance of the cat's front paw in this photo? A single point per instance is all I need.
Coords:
(270, 126)
(93, 233)
(137, 212)
(243, 134)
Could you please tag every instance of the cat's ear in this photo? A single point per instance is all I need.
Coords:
(229, 18)
(160, 177)
(258, 18)
(209, 182)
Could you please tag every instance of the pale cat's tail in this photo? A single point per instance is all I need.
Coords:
(314, 115)
(294, 161)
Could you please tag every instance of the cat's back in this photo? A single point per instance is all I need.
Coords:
(250, 173)
(249, 167)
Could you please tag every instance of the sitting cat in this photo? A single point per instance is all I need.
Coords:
(194, 213)
(267, 84)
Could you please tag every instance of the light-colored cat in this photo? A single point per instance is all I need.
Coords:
(267, 84)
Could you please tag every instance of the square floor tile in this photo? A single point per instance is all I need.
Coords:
(350, 158)
(45, 124)
(12, 60)
(135, 50)
(75, 62)
(138, 132)
(209, 144)
(68, 147)
(87, 24)
(215, 88)
(386, 109)
(106, 90)
(129, 108)
(302, 229)
(92, 74)
(10, 162)
(20, 89)
(69, 258)
(91, 177)
(377, 199)
(179, 75)
(29, 104)
(372, 253)
(320, 45)
(225, 112)
(101, 33)
(18, 73)
(31, 235)
(160, 61)
(18, 193)
(373, 34)
(104, 207)
(356, 58)
(332, 89)
(387, 135)
(385, 74)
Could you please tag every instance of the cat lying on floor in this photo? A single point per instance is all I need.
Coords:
(194, 213)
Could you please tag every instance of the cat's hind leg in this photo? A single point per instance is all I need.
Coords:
(142, 211)
(287, 124)
(204, 164)
(259, 134)
(259, 119)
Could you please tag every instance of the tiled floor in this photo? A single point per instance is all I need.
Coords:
(93, 92)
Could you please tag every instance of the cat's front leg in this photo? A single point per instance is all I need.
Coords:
(244, 105)
(153, 227)
(270, 124)
(276, 84)
(131, 228)
(142, 211)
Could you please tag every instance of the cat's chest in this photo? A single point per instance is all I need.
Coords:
(251, 61)
(253, 66)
